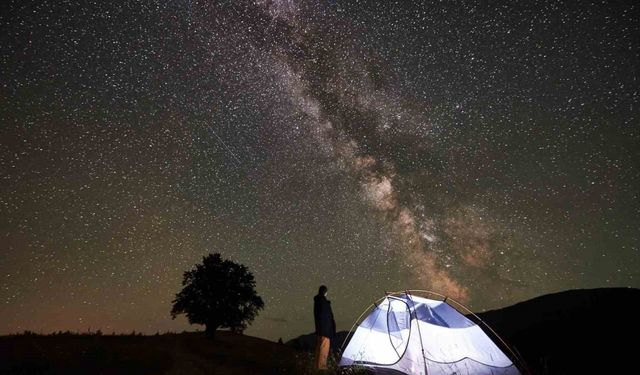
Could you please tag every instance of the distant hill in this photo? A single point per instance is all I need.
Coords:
(582, 331)
(186, 353)
(573, 332)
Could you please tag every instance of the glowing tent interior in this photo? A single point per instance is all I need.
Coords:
(403, 333)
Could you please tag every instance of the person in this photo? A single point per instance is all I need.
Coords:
(325, 326)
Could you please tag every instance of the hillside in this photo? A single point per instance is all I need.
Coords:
(573, 332)
(186, 353)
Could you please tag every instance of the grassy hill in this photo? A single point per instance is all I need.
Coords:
(186, 353)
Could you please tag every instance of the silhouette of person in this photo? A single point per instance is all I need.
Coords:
(325, 327)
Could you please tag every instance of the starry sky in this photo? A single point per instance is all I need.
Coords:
(488, 151)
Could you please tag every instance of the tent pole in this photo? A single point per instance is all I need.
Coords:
(424, 358)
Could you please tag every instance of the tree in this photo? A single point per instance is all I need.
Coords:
(219, 294)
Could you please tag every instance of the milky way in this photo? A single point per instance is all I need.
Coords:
(486, 152)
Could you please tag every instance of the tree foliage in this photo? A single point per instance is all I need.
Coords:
(219, 294)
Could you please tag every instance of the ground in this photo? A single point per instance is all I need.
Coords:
(186, 353)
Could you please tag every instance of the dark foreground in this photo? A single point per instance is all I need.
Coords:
(186, 353)
(590, 331)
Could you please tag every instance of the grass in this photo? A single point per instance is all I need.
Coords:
(186, 353)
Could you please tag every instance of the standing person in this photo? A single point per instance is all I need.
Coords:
(325, 326)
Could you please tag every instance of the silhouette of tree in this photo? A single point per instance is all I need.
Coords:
(219, 294)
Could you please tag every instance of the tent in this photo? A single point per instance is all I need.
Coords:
(403, 333)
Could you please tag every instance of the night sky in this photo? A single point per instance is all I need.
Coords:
(488, 152)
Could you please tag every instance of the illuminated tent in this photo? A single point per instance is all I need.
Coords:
(406, 334)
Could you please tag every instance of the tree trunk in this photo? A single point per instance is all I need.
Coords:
(210, 330)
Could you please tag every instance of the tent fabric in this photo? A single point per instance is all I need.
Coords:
(416, 335)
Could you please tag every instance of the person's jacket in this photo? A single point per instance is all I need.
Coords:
(325, 324)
